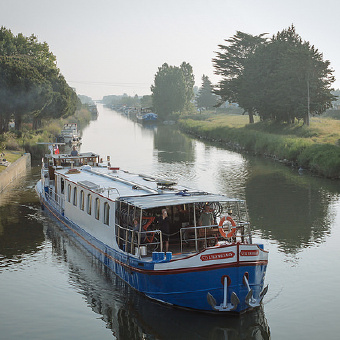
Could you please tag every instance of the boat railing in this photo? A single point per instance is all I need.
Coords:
(139, 242)
(207, 236)
(55, 200)
(201, 236)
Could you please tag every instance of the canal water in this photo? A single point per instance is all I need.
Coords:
(52, 289)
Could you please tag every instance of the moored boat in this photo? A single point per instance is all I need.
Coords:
(211, 263)
(147, 117)
(69, 134)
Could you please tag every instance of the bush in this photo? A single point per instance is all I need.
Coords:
(10, 141)
(323, 159)
(260, 138)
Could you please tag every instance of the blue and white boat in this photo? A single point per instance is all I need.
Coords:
(214, 267)
(147, 117)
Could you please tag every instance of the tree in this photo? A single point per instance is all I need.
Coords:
(189, 80)
(206, 98)
(146, 101)
(288, 79)
(31, 86)
(282, 79)
(229, 63)
(169, 92)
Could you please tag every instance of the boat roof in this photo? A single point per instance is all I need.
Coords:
(140, 190)
(167, 199)
(70, 157)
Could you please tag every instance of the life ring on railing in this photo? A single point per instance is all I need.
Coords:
(221, 230)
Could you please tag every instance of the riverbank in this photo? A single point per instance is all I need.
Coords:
(27, 139)
(14, 170)
(316, 147)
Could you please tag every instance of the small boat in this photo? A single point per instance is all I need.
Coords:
(211, 263)
(146, 116)
(69, 134)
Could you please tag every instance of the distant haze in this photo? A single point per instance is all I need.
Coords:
(116, 46)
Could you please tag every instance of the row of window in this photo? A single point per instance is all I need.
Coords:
(74, 197)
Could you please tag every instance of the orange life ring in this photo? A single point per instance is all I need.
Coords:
(220, 227)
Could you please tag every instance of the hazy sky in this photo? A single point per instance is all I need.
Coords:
(116, 46)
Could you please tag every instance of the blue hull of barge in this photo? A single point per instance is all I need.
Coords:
(186, 289)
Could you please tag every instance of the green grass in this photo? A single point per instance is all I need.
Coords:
(315, 147)
(10, 156)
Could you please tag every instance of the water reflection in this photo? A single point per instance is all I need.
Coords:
(132, 316)
(173, 146)
(291, 209)
(20, 228)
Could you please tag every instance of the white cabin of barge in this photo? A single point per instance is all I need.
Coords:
(104, 200)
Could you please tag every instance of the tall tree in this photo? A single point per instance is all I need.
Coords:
(169, 92)
(189, 80)
(31, 85)
(146, 101)
(229, 63)
(206, 98)
(282, 79)
(288, 79)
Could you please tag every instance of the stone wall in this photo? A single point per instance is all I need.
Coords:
(15, 170)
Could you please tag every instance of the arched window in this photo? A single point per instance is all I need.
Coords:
(75, 196)
(97, 208)
(62, 185)
(69, 193)
(89, 204)
(106, 213)
(82, 200)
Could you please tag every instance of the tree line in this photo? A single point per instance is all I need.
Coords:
(31, 86)
(282, 79)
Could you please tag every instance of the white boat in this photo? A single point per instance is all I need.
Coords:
(214, 267)
(69, 134)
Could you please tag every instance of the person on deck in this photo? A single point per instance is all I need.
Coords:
(74, 152)
(164, 226)
(206, 217)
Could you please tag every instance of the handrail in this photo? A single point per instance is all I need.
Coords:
(202, 234)
(184, 231)
(56, 200)
(129, 239)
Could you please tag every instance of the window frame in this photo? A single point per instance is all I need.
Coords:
(106, 213)
(89, 204)
(82, 200)
(75, 196)
(97, 208)
(69, 192)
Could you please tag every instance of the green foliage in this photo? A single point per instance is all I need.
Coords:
(31, 86)
(189, 82)
(27, 138)
(230, 63)
(123, 100)
(146, 101)
(173, 89)
(291, 144)
(282, 79)
(206, 98)
(323, 159)
(85, 99)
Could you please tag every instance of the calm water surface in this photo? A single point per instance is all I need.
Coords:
(52, 289)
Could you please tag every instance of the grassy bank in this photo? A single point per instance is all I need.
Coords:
(11, 157)
(26, 140)
(316, 147)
